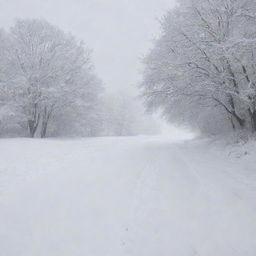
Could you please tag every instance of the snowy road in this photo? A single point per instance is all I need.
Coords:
(141, 196)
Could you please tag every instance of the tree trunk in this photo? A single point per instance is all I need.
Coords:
(32, 129)
(46, 117)
(253, 119)
(240, 121)
(232, 123)
(44, 129)
(33, 122)
(33, 125)
(233, 115)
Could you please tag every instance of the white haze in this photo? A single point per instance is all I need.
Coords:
(94, 179)
(118, 31)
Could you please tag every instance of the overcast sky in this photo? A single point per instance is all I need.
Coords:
(118, 31)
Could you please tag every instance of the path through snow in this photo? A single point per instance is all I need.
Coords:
(141, 196)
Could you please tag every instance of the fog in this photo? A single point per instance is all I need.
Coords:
(138, 141)
(118, 31)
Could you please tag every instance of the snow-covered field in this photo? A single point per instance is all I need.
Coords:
(138, 196)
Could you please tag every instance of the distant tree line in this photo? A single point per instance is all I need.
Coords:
(201, 72)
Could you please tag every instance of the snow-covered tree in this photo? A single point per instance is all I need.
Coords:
(49, 74)
(83, 117)
(201, 72)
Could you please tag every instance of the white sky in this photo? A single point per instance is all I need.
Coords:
(118, 31)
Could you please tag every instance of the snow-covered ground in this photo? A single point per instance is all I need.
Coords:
(138, 196)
